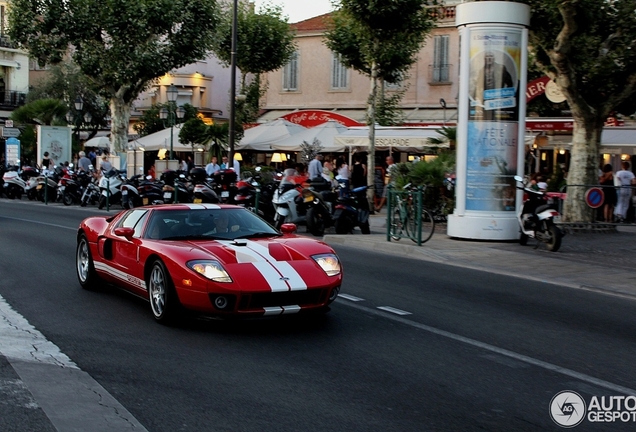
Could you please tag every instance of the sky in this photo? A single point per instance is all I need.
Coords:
(299, 10)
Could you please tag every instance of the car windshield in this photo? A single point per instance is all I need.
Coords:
(207, 224)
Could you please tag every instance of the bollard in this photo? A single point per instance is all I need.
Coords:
(418, 216)
(389, 210)
(107, 194)
(258, 192)
(46, 188)
(176, 191)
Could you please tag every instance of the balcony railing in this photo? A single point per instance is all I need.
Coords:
(10, 99)
(5, 42)
(440, 74)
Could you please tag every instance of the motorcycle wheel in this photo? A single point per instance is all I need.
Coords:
(523, 240)
(315, 223)
(278, 221)
(342, 225)
(67, 199)
(102, 202)
(364, 228)
(555, 239)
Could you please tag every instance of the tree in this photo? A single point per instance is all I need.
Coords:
(265, 43)
(218, 135)
(122, 45)
(150, 121)
(588, 47)
(193, 132)
(380, 39)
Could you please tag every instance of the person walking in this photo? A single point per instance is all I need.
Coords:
(624, 179)
(389, 179)
(358, 172)
(106, 165)
(83, 163)
(606, 180)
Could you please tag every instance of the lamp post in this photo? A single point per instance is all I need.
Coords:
(233, 80)
(76, 118)
(169, 114)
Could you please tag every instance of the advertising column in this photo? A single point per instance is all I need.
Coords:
(491, 119)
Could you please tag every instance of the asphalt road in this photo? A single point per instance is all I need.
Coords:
(411, 346)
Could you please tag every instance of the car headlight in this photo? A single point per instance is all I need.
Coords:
(329, 263)
(210, 269)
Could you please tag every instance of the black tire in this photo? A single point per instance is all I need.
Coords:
(85, 266)
(554, 243)
(364, 228)
(315, 222)
(278, 221)
(342, 225)
(523, 239)
(164, 302)
(396, 225)
(428, 225)
(67, 199)
(102, 202)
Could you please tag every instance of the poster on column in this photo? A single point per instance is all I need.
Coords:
(56, 141)
(492, 141)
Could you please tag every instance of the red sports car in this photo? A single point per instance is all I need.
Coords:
(218, 260)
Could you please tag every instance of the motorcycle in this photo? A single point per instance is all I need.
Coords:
(72, 186)
(203, 191)
(30, 175)
(288, 202)
(91, 192)
(47, 183)
(249, 189)
(537, 218)
(225, 185)
(320, 201)
(110, 187)
(172, 179)
(352, 210)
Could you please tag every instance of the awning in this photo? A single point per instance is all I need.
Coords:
(618, 136)
(409, 115)
(402, 139)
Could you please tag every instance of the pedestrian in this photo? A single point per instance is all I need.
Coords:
(358, 172)
(224, 163)
(106, 165)
(46, 162)
(623, 180)
(315, 167)
(190, 163)
(236, 166)
(389, 180)
(212, 167)
(83, 163)
(93, 157)
(606, 180)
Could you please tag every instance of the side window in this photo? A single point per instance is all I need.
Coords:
(135, 219)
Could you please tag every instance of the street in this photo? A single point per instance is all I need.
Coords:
(409, 346)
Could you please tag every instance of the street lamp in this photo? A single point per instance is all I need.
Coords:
(233, 79)
(169, 114)
(76, 119)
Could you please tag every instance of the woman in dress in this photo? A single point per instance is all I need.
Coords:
(607, 181)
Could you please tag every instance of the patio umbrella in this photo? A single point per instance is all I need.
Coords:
(325, 133)
(102, 142)
(262, 137)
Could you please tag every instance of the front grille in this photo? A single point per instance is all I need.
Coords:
(286, 298)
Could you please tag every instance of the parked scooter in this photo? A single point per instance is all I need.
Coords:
(203, 191)
(320, 201)
(110, 186)
(184, 188)
(537, 218)
(352, 210)
(47, 184)
(30, 176)
(225, 185)
(247, 192)
(288, 202)
(14, 185)
(91, 192)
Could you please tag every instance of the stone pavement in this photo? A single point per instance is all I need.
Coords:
(597, 261)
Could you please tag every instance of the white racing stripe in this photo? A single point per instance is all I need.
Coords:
(120, 274)
(280, 275)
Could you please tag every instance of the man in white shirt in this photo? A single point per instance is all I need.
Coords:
(315, 167)
(237, 167)
(626, 179)
(212, 167)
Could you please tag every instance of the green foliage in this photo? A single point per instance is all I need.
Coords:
(265, 41)
(309, 151)
(49, 112)
(218, 136)
(193, 131)
(388, 110)
(448, 136)
(150, 121)
(247, 111)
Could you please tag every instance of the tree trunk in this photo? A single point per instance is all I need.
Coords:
(120, 115)
(584, 163)
(371, 103)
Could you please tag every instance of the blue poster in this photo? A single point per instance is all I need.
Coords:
(12, 151)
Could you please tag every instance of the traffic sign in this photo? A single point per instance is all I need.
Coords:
(8, 132)
(594, 197)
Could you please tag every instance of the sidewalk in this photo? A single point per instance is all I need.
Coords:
(593, 261)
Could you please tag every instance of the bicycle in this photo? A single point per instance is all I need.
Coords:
(404, 218)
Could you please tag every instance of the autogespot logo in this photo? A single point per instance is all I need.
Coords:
(567, 409)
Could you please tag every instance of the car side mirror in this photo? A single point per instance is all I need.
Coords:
(288, 228)
(126, 232)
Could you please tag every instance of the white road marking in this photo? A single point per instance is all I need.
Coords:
(350, 297)
(504, 352)
(394, 310)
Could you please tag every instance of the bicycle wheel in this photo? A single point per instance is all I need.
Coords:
(428, 225)
(410, 224)
(396, 225)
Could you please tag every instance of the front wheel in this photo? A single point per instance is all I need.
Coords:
(342, 225)
(102, 202)
(67, 199)
(397, 227)
(85, 266)
(163, 298)
(315, 222)
(554, 242)
(428, 225)
(523, 240)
